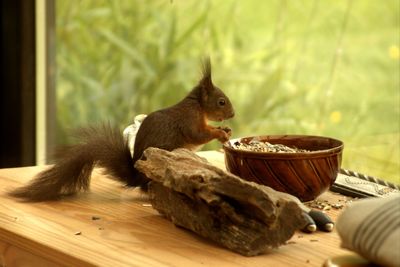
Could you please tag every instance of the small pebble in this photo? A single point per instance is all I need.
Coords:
(94, 218)
(78, 233)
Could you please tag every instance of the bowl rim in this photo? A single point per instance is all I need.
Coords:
(227, 146)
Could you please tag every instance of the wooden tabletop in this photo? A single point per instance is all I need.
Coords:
(115, 226)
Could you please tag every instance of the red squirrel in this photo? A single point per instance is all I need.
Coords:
(183, 125)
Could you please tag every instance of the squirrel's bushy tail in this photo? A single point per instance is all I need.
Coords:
(101, 146)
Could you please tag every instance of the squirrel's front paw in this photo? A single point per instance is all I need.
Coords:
(226, 129)
(224, 136)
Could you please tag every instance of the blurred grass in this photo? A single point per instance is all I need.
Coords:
(306, 67)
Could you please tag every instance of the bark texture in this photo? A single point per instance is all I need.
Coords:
(242, 216)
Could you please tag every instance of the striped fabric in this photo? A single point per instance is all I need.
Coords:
(371, 228)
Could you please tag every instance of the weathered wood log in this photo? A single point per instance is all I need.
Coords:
(243, 216)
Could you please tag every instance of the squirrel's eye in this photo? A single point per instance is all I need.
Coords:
(221, 102)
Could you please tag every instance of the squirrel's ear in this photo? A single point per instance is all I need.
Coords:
(206, 81)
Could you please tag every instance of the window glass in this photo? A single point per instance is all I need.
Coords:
(290, 67)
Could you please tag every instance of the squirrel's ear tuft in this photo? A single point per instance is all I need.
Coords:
(206, 80)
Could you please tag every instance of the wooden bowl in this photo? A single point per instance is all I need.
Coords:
(305, 175)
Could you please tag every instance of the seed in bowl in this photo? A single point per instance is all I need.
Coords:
(258, 146)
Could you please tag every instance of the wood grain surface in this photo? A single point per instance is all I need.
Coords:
(115, 226)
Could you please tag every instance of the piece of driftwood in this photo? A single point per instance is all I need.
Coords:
(243, 216)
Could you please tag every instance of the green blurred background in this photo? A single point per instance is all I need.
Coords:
(314, 67)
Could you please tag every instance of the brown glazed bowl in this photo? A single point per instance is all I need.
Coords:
(305, 175)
